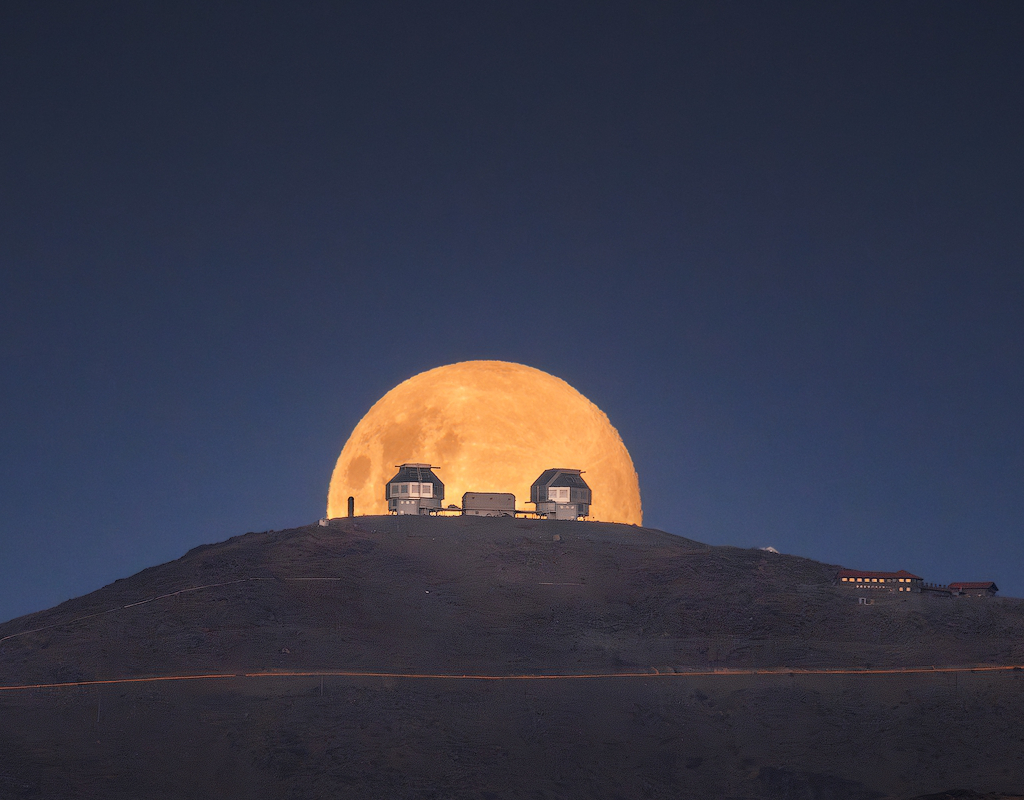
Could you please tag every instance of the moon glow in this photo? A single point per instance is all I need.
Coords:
(489, 426)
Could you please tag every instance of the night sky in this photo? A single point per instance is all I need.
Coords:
(781, 245)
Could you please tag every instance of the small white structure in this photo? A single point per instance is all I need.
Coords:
(414, 490)
(561, 494)
(489, 504)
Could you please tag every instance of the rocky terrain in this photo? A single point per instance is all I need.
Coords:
(336, 657)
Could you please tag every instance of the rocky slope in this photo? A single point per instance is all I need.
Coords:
(504, 597)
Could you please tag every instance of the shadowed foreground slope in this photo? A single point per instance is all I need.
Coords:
(503, 597)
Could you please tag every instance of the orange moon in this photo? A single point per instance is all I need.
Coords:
(488, 426)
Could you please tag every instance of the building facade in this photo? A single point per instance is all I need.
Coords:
(973, 589)
(414, 490)
(561, 494)
(878, 582)
(489, 504)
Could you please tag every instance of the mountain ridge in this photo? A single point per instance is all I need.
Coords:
(503, 597)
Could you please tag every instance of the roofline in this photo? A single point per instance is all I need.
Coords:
(867, 573)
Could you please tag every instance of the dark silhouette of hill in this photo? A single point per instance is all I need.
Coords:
(499, 598)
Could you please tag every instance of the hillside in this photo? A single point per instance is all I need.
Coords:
(503, 597)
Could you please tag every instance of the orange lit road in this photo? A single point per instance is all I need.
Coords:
(721, 673)
(650, 673)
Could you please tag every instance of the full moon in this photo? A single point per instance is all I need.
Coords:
(488, 426)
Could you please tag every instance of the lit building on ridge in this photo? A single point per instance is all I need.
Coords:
(890, 582)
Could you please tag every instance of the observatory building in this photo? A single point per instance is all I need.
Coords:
(414, 490)
(561, 494)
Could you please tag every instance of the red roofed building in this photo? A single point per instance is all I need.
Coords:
(974, 588)
(892, 582)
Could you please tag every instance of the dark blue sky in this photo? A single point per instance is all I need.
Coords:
(780, 245)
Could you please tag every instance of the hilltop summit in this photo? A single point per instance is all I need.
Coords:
(503, 597)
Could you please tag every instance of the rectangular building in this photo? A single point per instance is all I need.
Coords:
(974, 588)
(869, 581)
(489, 504)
